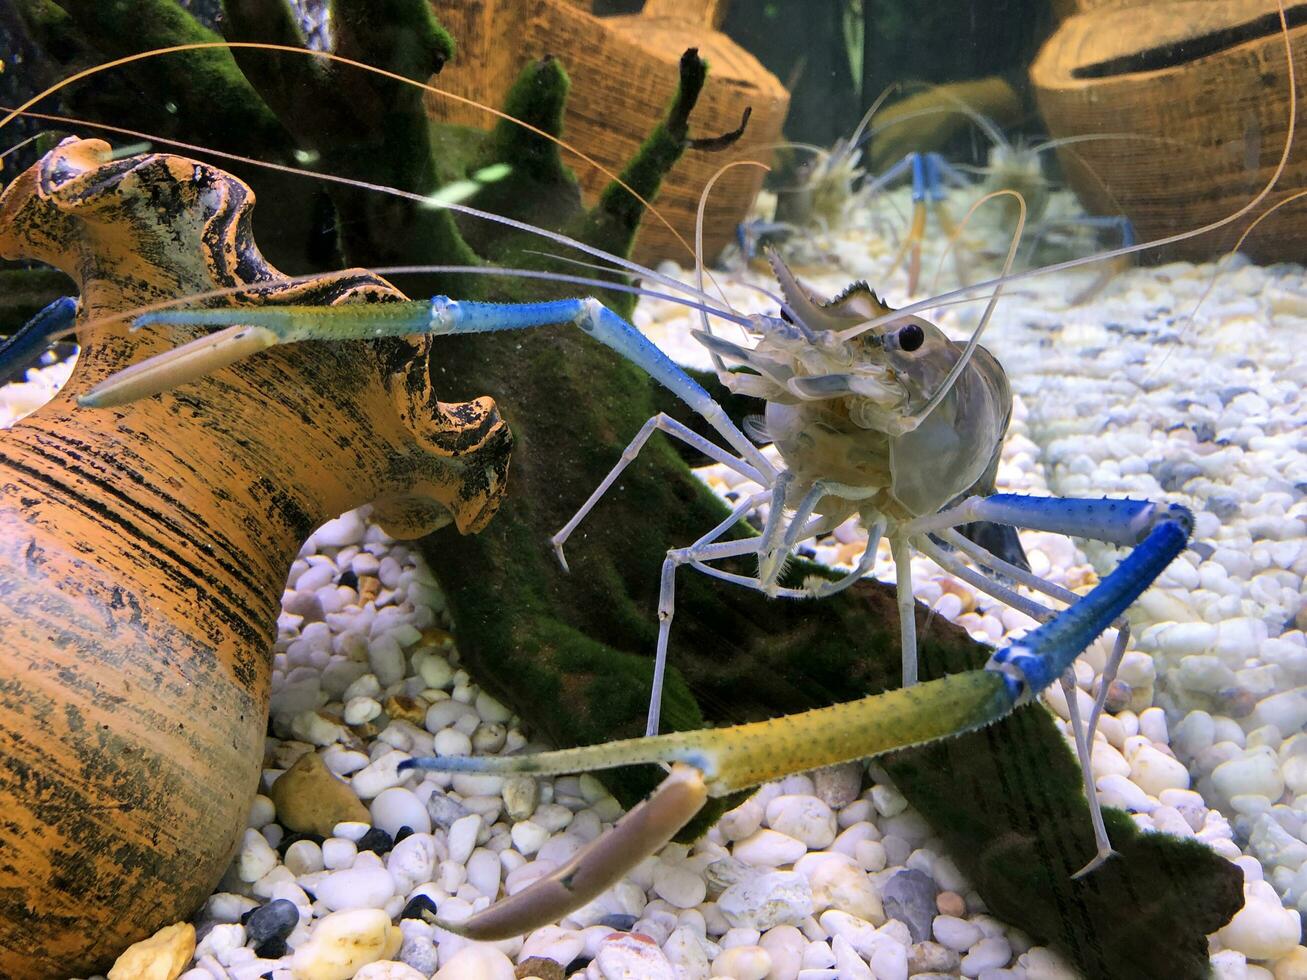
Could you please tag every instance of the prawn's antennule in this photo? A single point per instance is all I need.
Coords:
(719, 274)
(982, 121)
(698, 238)
(561, 239)
(957, 231)
(870, 114)
(339, 59)
(812, 148)
(974, 342)
(1248, 207)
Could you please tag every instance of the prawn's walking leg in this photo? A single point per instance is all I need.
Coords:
(773, 557)
(702, 549)
(823, 590)
(1121, 522)
(1033, 581)
(940, 169)
(902, 553)
(660, 422)
(1083, 734)
(23, 348)
(736, 758)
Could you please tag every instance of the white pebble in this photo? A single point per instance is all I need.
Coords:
(344, 942)
(1262, 929)
(769, 849)
(398, 807)
(450, 741)
(678, 885)
(463, 837)
(848, 962)
(743, 963)
(805, 818)
(256, 857)
(355, 888)
(1154, 771)
(957, 934)
(990, 953)
(379, 775)
(478, 961)
(338, 853)
(412, 861)
(1256, 772)
(528, 836)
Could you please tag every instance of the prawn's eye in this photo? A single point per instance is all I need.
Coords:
(911, 337)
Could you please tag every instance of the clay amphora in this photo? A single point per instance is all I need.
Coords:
(144, 549)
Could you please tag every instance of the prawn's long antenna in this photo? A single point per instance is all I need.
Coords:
(956, 234)
(1261, 195)
(842, 148)
(339, 59)
(20, 144)
(728, 277)
(558, 237)
(1211, 284)
(1053, 144)
(974, 342)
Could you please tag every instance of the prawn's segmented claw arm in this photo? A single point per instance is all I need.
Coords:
(595, 868)
(246, 332)
(439, 316)
(22, 349)
(730, 759)
(190, 361)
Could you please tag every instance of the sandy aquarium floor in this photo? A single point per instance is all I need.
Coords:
(833, 875)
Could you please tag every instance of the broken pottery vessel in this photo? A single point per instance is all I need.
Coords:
(144, 549)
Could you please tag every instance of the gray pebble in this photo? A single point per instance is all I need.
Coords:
(838, 786)
(444, 810)
(272, 921)
(909, 896)
(419, 952)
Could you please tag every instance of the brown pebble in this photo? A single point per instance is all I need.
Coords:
(928, 958)
(369, 589)
(406, 708)
(951, 903)
(539, 966)
(434, 636)
(368, 730)
(309, 799)
(1119, 694)
(1235, 702)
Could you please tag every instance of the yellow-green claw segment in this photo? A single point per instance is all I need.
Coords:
(715, 762)
(747, 755)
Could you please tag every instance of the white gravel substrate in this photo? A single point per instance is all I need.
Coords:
(800, 881)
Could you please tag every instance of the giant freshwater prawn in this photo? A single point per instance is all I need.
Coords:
(874, 413)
